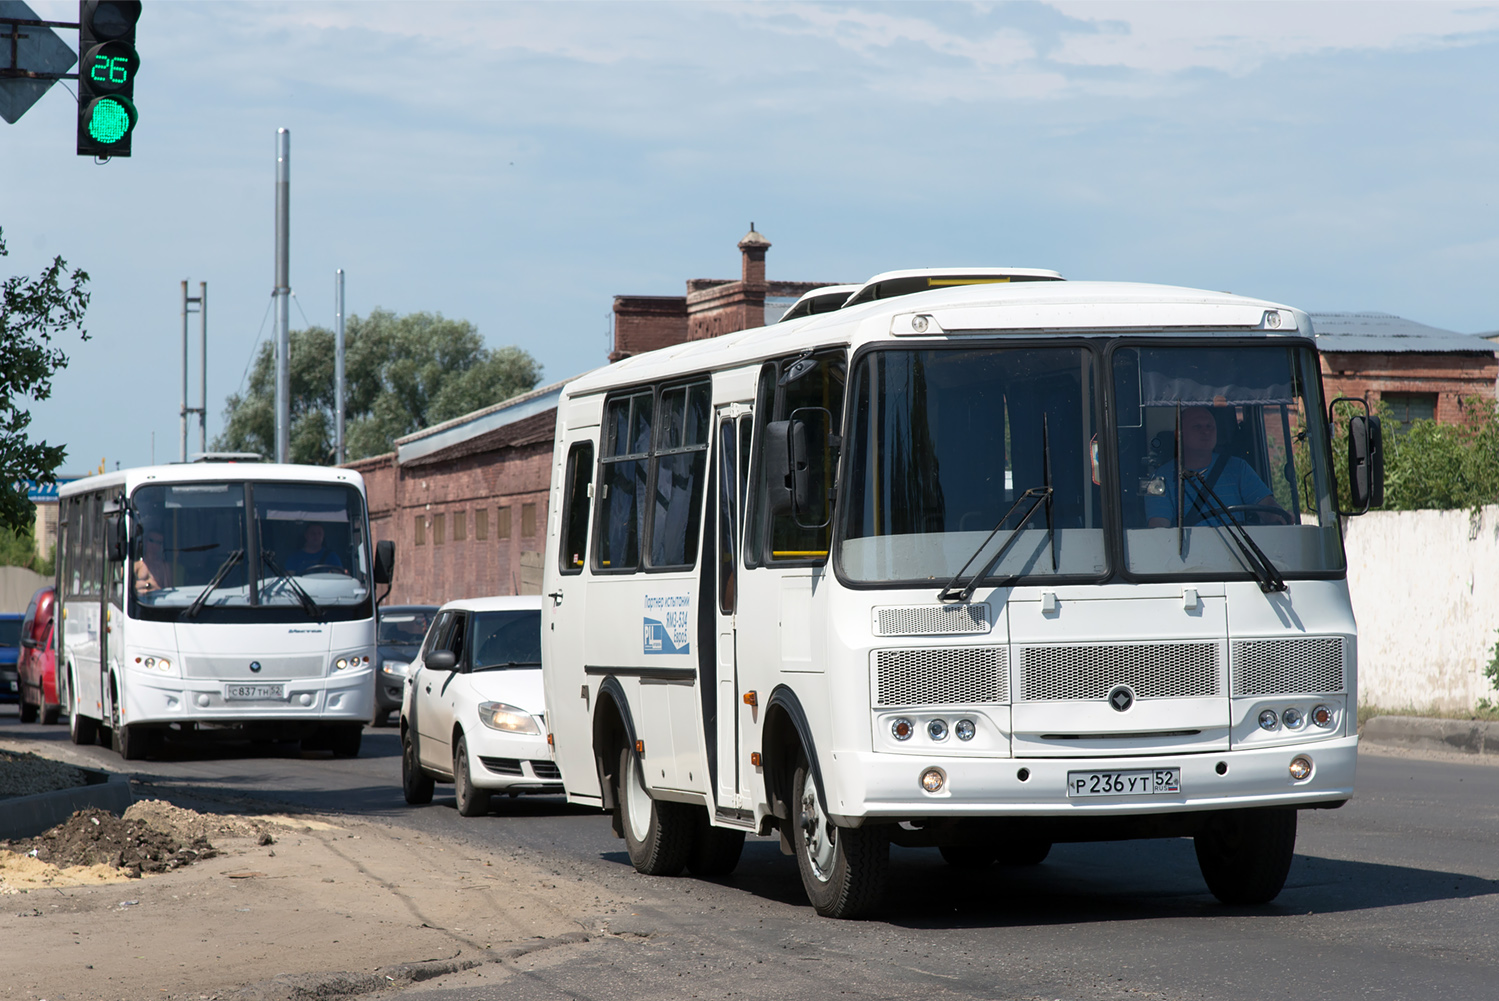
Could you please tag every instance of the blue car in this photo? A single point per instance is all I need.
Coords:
(10, 652)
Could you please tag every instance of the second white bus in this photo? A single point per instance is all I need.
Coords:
(218, 596)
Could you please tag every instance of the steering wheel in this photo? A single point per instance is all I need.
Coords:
(322, 568)
(1258, 512)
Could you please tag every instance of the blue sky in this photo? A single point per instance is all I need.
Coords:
(517, 165)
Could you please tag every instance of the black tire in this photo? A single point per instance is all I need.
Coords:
(132, 742)
(29, 712)
(1245, 855)
(715, 850)
(416, 785)
(471, 802)
(82, 729)
(382, 718)
(844, 869)
(50, 715)
(658, 835)
(1031, 852)
(344, 741)
(968, 857)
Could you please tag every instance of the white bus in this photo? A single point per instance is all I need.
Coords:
(218, 595)
(913, 572)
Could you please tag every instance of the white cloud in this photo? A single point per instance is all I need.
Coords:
(1241, 36)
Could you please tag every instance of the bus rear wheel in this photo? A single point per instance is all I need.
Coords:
(658, 835)
(1245, 855)
(843, 869)
(81, 729)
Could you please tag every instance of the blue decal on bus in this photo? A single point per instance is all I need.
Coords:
(667, 634)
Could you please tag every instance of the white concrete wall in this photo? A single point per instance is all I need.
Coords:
(1425, 587)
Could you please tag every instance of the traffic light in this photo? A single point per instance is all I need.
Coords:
(107, 63)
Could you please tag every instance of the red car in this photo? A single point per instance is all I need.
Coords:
(38, 662)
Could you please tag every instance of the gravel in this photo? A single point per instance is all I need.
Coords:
(26, 774)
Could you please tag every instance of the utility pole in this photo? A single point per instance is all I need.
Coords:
(201, 301)
(283, 295)
(338, 371)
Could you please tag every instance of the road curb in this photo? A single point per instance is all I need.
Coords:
(1461, 736)
(28, 816)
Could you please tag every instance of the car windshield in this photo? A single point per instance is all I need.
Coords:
(10, 632)
(1235, 437)
(405, 627)
(943, 444)
(505, 639)
(259, 545)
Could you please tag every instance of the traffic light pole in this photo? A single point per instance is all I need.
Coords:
(283, 295)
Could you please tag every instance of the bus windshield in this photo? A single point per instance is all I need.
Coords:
(943, 444)
(962, 458)
(1234, 436)
(301, 548)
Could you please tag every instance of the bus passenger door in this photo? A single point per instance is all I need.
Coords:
(570, 692)
(732, 458)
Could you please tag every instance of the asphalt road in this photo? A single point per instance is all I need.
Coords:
(1394, 896)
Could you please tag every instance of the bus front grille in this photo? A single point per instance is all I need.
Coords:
(941, 676)
(931, 620)
(1092, 671)
(1302, 666)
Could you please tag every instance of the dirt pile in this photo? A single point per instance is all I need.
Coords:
(97, 837)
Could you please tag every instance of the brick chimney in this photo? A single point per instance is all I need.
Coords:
(753, 247)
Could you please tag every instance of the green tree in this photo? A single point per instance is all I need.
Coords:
(18, 549)
(34, 312)
(403, 373)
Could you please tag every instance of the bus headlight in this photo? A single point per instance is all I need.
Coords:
(964, 729)
(155, 664)
(499, 716)
(1323, 717)
(345, 663)
(937, 729)
(395, 667)
(900, 729)
(1293, 719)
(1268, 720)
(1301, 768)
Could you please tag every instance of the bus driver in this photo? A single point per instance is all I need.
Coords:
(314, 556)
(1236, 484)
(152, 571)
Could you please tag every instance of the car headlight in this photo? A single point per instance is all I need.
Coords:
(499, 716)
(396, 667)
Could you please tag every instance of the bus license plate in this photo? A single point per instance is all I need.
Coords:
(253, 693)
(1154, 782)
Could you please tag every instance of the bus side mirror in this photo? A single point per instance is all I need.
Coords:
(1365, 462)
(794, 479)
(117, 544)
(385, 561)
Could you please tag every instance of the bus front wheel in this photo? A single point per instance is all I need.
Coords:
(843, 869)
(81, 729)
(658, 835)
(1245, 855)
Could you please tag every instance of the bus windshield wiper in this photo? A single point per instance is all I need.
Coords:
(191, 611)
(1038, 496)
(309, 606)
(1208, 504)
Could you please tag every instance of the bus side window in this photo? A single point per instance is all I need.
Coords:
(679, 469)
(621, 497)
(573, 550)
(822, 387)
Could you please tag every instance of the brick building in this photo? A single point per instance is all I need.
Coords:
(1421, 372)
(466, 501)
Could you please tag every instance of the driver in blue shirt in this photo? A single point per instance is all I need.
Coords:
(313, 553)
(1236, 485)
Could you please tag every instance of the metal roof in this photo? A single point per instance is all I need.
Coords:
(1385, 333)
(461, 429)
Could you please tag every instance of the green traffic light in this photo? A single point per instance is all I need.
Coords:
(110, 120)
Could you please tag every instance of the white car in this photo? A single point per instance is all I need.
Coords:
(472, 712)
